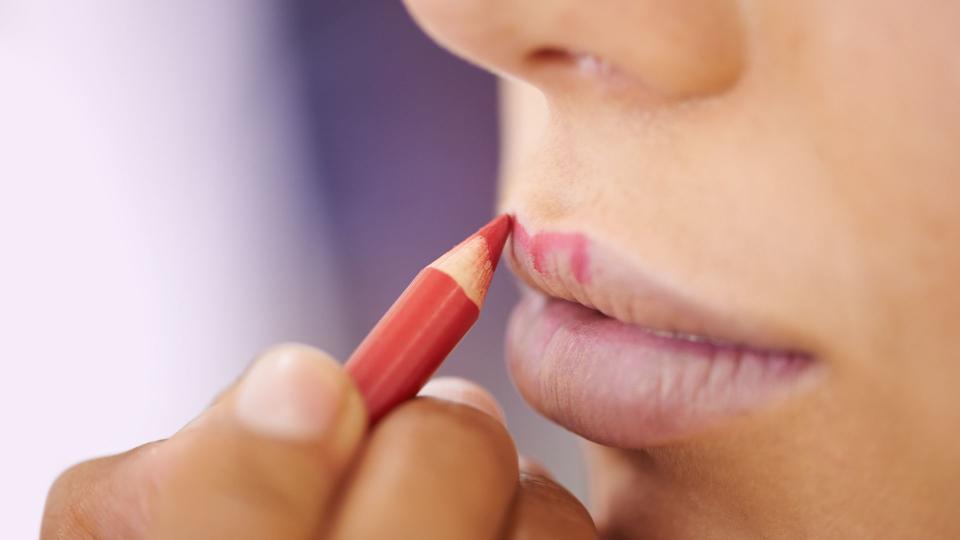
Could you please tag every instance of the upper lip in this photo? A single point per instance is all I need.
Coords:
(599, 279)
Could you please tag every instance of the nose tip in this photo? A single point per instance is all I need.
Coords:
(677, 49)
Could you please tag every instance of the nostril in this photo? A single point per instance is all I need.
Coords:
(549, 55)
(638, 50)
(587, 63)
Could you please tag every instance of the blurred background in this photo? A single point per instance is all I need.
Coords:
(184, 183)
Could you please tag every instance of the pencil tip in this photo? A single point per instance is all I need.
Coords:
(495, 234)
(472, 262)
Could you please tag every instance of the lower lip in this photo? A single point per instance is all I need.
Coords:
(622, 385)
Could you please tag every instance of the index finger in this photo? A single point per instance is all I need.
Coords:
(431, 469)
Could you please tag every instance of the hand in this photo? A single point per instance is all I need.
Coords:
(285, 454)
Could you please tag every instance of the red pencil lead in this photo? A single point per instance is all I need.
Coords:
(496, 233)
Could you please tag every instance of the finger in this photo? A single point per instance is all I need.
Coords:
(545, 509)
(261, 462)
(432, 469)
(101, 498)
(460, 390)
(266, 459)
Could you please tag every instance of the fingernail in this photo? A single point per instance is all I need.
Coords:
(532, 466)
(463, 391)
(291, 392)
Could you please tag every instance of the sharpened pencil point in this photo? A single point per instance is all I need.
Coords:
(495, 233)
(427, 321)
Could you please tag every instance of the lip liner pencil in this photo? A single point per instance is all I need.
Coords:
(426, 322)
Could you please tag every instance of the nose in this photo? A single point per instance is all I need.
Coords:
(677, 49)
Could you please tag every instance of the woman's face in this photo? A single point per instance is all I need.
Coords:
(739, 223)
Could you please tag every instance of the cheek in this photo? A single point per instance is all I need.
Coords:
(886, 116)
(871, 98)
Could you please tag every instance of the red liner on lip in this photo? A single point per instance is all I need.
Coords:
(543, 244)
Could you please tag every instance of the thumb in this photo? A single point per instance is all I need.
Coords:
(263, 462)
(266, 459)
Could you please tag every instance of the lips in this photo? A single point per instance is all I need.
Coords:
(614, 355)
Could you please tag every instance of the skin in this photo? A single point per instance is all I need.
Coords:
(222, 476)
(793, 163)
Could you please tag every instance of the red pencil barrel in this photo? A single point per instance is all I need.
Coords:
(411, 340)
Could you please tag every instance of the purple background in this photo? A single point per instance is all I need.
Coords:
(408, 148)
